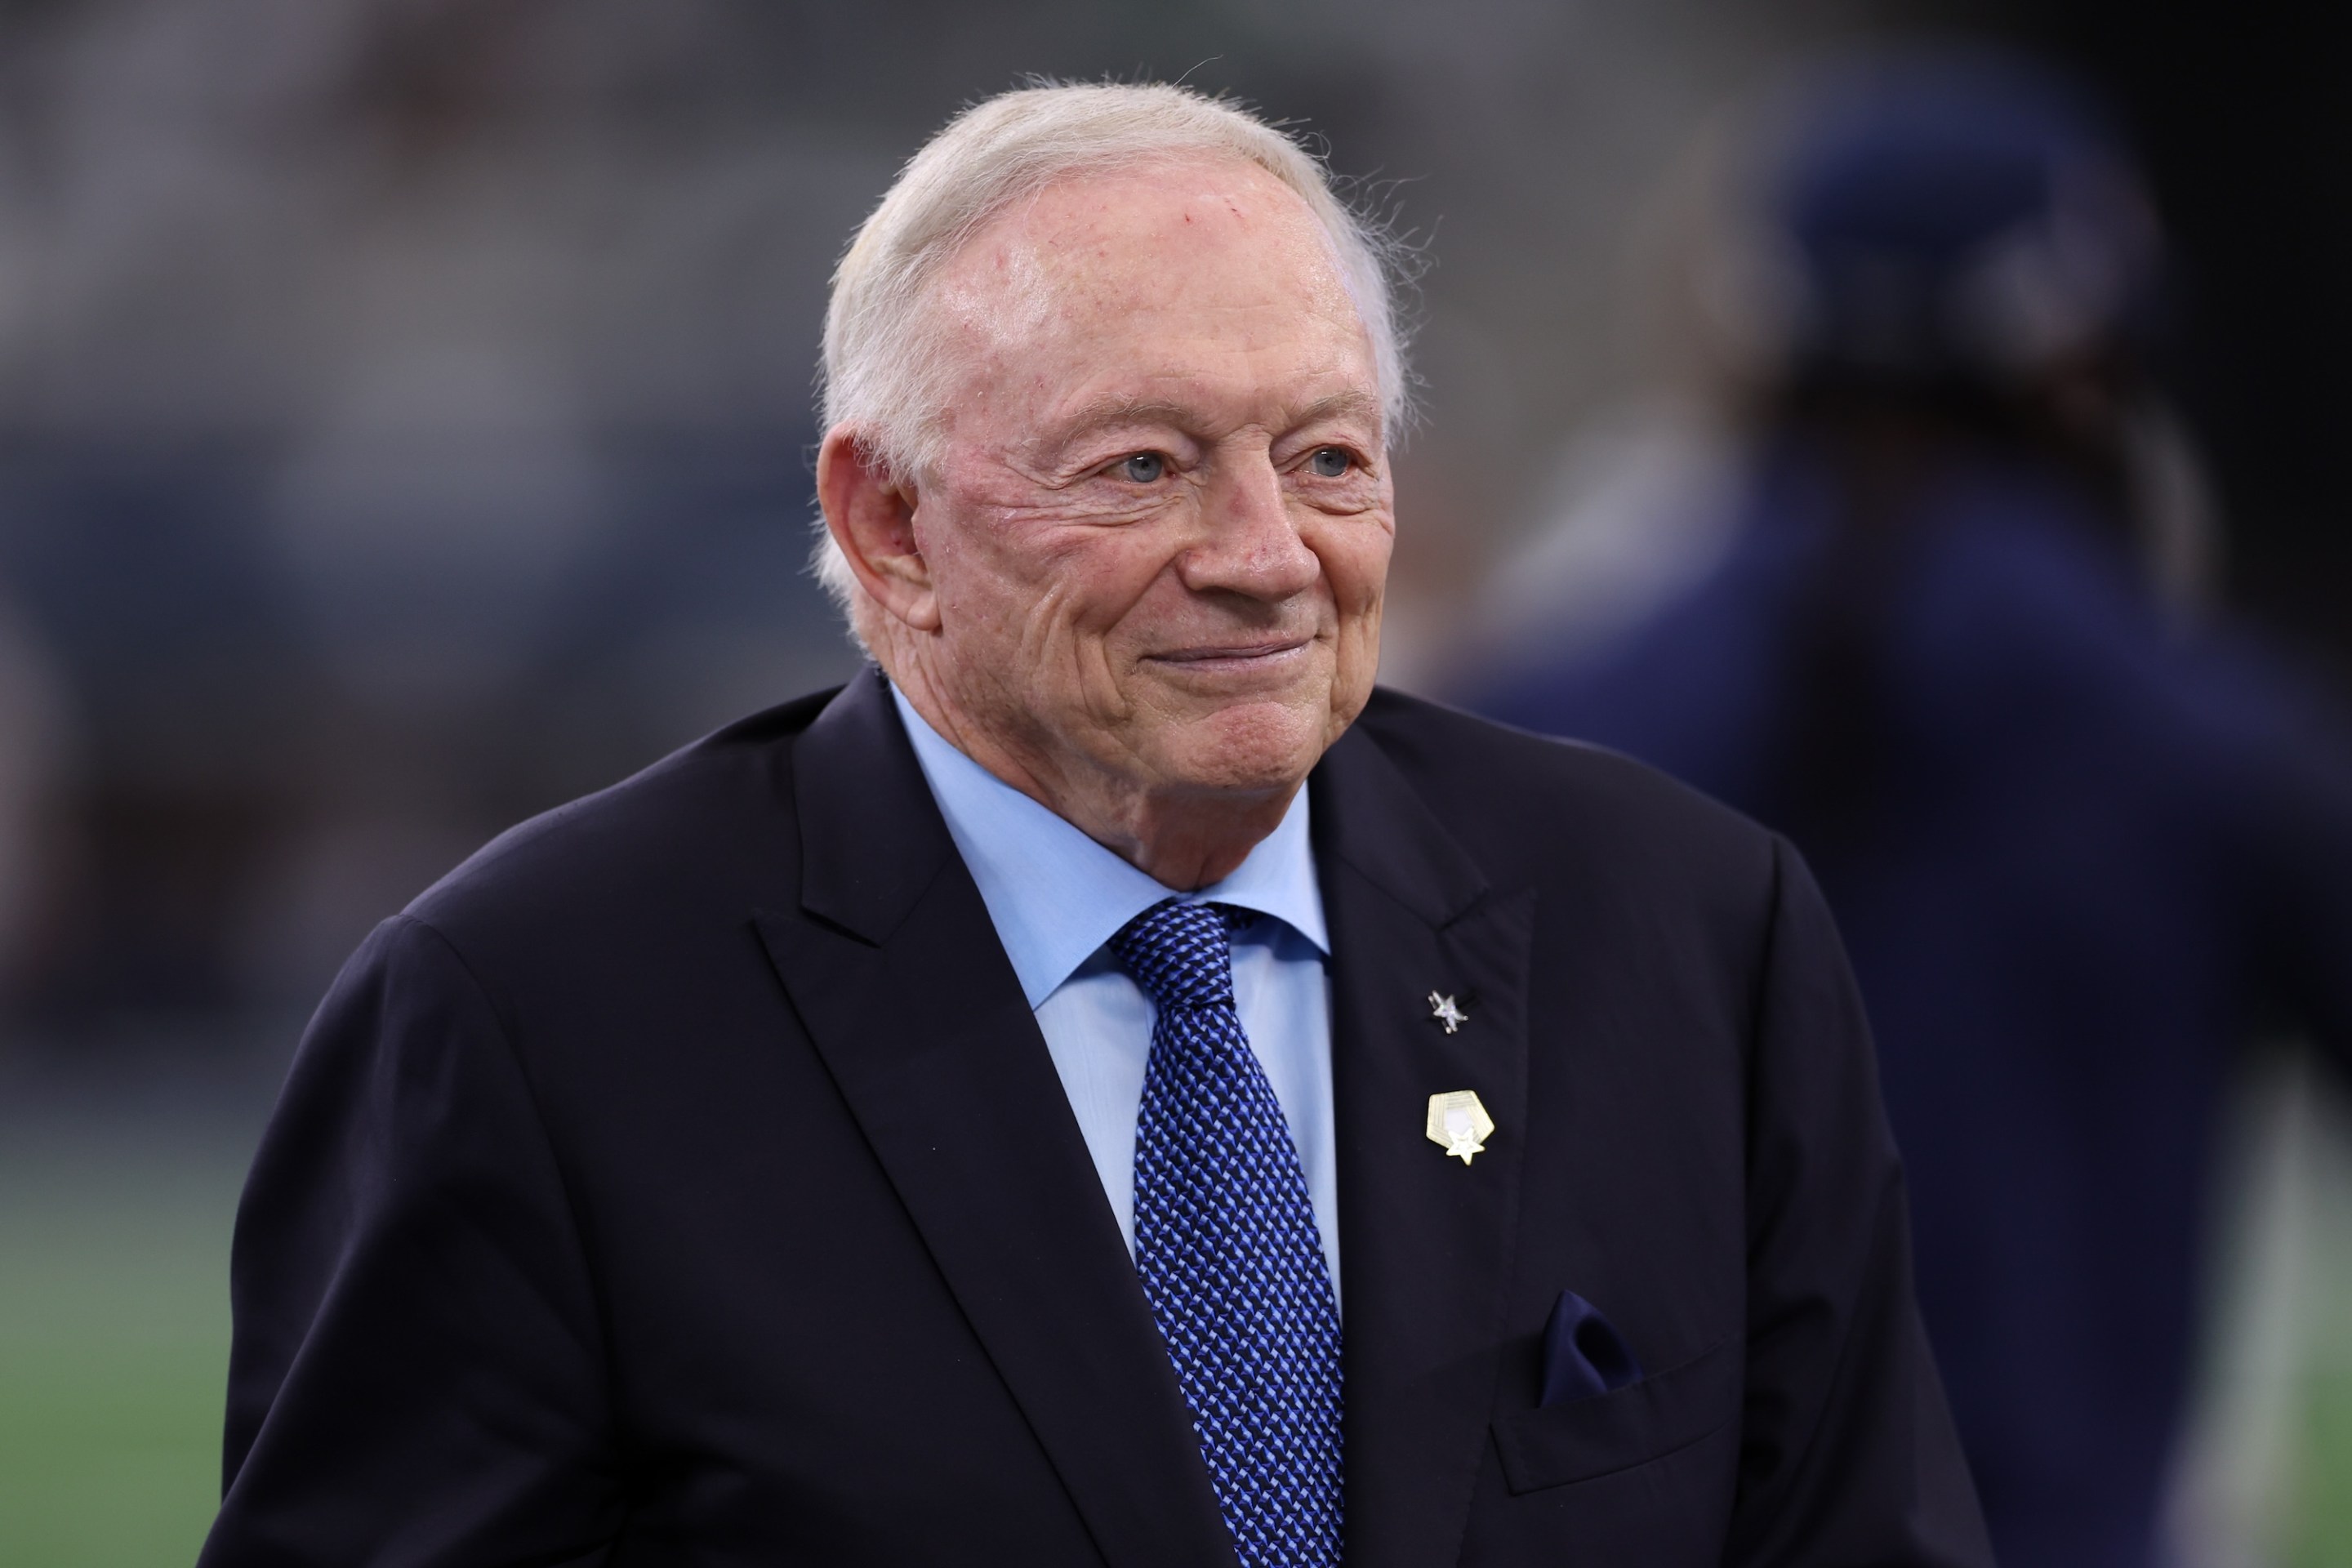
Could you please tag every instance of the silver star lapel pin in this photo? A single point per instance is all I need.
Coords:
(1447, 1012)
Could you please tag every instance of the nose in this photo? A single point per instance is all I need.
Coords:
(1249, 543)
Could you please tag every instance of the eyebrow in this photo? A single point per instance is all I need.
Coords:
(1115, 409)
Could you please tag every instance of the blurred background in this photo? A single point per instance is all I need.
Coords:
(405, 426)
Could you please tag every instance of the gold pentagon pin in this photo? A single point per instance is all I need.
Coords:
(1459, 1124)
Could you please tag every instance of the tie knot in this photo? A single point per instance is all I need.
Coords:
(1178, 953)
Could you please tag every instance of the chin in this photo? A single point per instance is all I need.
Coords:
(1247, 749)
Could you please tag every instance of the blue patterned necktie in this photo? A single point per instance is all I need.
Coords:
(1226, 1244)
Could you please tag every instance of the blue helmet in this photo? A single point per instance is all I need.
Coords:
(1956, 216)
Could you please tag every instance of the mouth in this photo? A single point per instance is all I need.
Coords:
(1237, 657)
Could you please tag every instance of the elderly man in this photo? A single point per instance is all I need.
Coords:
(1107, 1087)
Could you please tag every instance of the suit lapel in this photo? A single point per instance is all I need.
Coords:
(898, 974)
(1425, 1241)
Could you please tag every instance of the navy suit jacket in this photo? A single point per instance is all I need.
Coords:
(684, 1180)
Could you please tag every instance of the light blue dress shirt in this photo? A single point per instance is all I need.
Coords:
(1056, 896)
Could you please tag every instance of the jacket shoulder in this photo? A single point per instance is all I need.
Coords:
(702, 819)
(1517, 800)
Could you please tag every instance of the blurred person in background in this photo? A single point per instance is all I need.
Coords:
(1932, 610)
(32, 759)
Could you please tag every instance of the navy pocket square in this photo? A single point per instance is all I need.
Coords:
(1583, 1354)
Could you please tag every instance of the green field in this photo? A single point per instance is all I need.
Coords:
(113, 1342)
(2319, 1534)
(114, 1333)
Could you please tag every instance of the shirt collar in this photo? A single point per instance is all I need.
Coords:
(1056, 895)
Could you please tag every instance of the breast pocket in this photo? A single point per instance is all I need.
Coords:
(1586, 1438)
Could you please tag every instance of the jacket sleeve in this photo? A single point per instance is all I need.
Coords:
(1848, 1454)
(417, 1374)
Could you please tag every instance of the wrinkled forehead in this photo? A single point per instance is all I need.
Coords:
(1093, 264)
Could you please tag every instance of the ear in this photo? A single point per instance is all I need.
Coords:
(871, 516)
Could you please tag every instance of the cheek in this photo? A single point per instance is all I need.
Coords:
(1355, 556)
(979, 590)
(1015, 577)
(1101, 579)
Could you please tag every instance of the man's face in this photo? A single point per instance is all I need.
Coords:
(1160, 523)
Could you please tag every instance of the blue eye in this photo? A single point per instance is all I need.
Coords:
(1144, 467)
(1330, 463)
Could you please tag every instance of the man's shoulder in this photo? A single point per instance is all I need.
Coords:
(711, 818)
(1520, 802)
(1454, 757)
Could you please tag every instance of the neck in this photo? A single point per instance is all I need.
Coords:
(1184, 844)
(1180, 838)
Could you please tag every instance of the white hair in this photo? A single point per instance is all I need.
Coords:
(881, 374)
